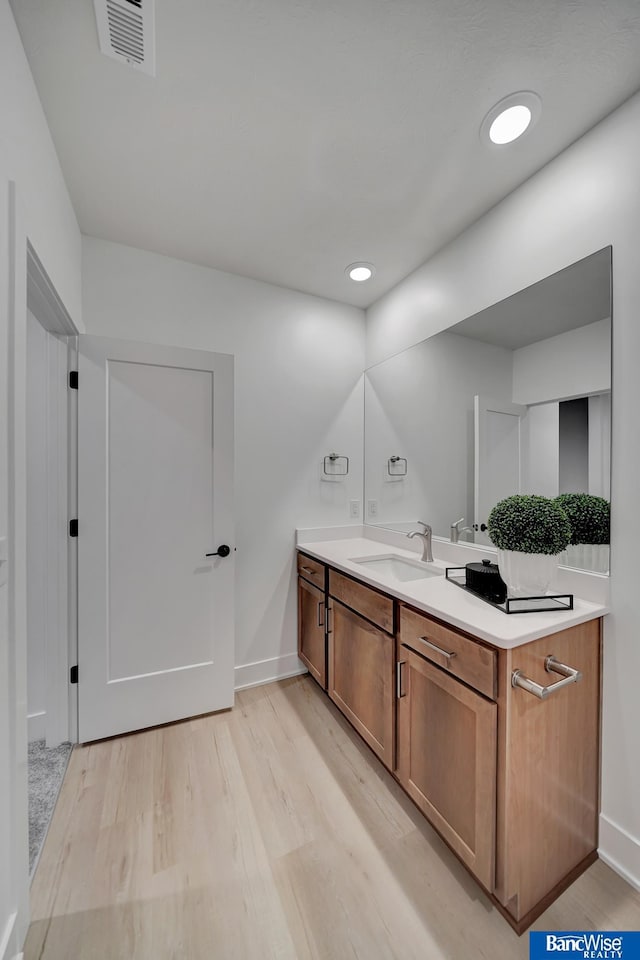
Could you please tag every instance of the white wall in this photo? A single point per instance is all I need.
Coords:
(587, 198)
(38, 210)
(547, 370)
(29, 158)
(299, 396)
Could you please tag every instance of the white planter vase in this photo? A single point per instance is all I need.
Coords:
(526, 574)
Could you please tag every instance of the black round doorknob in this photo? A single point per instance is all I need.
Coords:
(222, 551)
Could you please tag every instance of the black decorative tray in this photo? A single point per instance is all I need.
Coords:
(560, 601)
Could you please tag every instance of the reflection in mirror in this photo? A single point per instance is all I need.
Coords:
(515, 399)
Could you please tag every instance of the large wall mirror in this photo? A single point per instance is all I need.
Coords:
(516, 398)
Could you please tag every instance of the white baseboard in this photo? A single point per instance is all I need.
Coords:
(265, 671)
(37, 726)
(7, 944)
(620, 851)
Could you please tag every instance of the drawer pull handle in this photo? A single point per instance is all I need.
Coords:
(321, 613)
(308, 569)
(436, 649)
(399, 665)
(551, 665)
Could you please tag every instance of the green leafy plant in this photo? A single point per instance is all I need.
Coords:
(529, 523)
(588, 515)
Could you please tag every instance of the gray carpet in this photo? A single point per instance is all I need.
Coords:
(46, 770)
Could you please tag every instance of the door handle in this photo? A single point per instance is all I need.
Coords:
(321, 613)
(399, 665)
(222, 551)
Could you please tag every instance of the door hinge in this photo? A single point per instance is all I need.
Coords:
(73, 528)
(73, 379)
(73, 674)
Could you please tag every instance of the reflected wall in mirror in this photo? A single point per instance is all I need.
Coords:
(516, 398)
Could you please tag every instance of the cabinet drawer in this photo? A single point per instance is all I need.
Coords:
(464, 658)
(373, 605)
(312, 570)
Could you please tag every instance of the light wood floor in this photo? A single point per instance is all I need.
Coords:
(270, 831)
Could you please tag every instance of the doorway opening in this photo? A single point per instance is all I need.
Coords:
(50, 339)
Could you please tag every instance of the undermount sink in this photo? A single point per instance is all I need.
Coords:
(400, 568)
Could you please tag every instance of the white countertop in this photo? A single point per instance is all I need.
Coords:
(445, 600)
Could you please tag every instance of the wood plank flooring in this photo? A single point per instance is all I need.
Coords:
(269, 831)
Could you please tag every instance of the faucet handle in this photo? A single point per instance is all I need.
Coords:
(457, 523)
(426, 526)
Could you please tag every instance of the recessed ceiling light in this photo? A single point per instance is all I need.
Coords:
(511, 117)
(360, 271)
(510, 124)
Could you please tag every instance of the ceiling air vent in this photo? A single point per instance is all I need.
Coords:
(126, 31)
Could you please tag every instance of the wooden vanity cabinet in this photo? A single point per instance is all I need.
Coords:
(447, 737)
(312, 618)
(510, 781)
(362, 661)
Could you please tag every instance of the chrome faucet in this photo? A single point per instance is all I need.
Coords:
(425, 536)
(456, 530)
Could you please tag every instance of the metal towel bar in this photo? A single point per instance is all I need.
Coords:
(551, 665)
(330, 466)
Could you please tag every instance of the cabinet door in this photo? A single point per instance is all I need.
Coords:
(447, 759)
(361, 673)
(549, 814)
(312, 631)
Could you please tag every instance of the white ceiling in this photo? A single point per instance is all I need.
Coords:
(285, 139)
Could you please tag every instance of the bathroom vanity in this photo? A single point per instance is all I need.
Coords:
(508, 775)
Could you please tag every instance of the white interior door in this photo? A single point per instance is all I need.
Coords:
(155, 495)
(498, 450)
